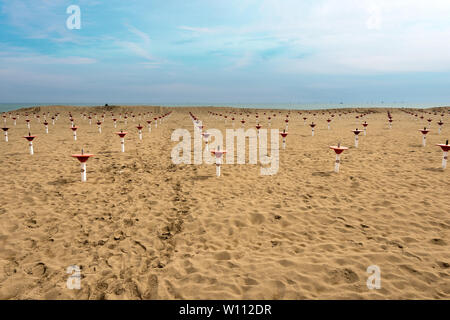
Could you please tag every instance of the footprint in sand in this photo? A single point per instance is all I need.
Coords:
(224, 255)
(256, 218)
(152, 290)
(438, 242)
(36, 270)
(343, 275)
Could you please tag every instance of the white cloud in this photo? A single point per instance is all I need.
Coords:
(23, 57)
(144, 36)
(196, 29)
(151, 65)
(136, 49)
(359, 36)
(19, 78)
(140, 48)
(243, 61)
(339, 36)
(320, 36)
(374, 20)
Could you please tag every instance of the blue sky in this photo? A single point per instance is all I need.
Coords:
(235, 51)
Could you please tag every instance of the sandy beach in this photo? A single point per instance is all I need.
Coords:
(142, 227)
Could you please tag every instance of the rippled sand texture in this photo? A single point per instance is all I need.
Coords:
(144, 228)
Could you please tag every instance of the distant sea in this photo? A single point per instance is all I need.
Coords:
(293, 106)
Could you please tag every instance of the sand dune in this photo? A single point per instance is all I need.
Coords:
(144, 228)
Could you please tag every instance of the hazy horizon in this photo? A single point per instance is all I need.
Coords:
(282, 106)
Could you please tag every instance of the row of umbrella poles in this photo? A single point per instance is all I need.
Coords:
(339, 149)
(83, 115)
(218, 153)
(82, 157)
(313, 125)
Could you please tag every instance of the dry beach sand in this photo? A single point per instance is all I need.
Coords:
(144, 228)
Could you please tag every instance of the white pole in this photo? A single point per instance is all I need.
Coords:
(115, 124)
(444, 160)
(31, 148)
(365, 131)
(312, 131)
(99, 129)
(217, 169)
(75, 135)
(28, 125)
(122, 142)
(424, 140)
(284, 143)
(218, 163)
(439, 131)
(336, 165)
(356, 141)
(140, 134)
(83, 172)
(6, 136)
(46, 129)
